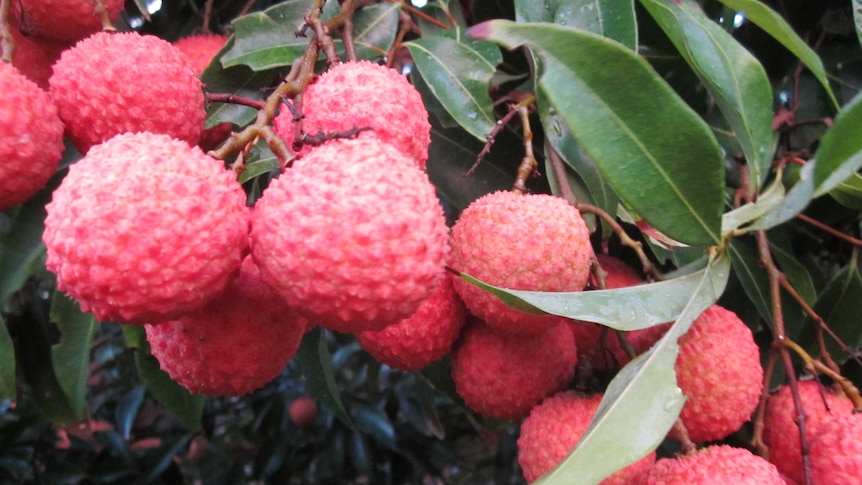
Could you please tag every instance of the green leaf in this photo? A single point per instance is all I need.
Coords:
(21, 247)
(614, 19)
(316, 365)
(840, 153)
(773, 24)
(630, 308)
(458, 75)
(257, 168)
(768, 200)
(849, 192)
(238, 80)
(838, 305)
(734, 78)
(797, 274)
(643, 401)
(267, 39)
(796, 200)
(374, 29)
(857, 18)
(7, 363)
(164, 455)
(656, 152)
(71, 356)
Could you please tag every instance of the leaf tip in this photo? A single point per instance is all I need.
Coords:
(480, 31)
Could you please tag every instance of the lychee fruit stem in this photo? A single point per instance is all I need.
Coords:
(7, 43)
(101, 11)
(528, 163)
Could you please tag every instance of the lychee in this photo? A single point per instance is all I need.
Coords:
(836, 450)
(719, 371)
(368, 96)
(353, 234)
(523, 242)
(66, 20)
(552, 430)
(109, 84)
(34, 56)
(423, 337)
(144, 228)
(713, 465)
(233, 345)
(31, 137)
(503, 375)
(302, 412)
(780, 431)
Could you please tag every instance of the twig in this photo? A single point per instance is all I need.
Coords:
(560, 174)
(491, 137)
(823, 227)
(7, 42)
(815, 366)
(405, 27)
(208, 11)
(234, 99)
(760, 415)
(419, 13)
(347, 39)
(528, 163)
(101, 11)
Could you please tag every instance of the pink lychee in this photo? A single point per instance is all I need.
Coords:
(713, 465)
(66, 20)
(34, 56)
(836, 450)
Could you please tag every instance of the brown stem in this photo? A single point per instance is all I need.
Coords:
(560, 174)
(7, 42)
(491, 137)
(246, 8)
(322, 37)
(102, 12)
(680, 432)
(814, 366)
(823, 227)
(347, 38)
(760, 415)
(234, 99)
(208, 11)
(419, 13)
(528, 163)
(404, 28)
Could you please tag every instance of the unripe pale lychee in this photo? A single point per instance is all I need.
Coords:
(713, 465)
(31, 137)
(836, 450)
(503, 375)
(719, 371)
(65, 20)
(144, 228)
(233, 345)
(109, 84)
(364, 95)
(780, 431)
(302, 412)
(423, 337)
(353, 234)
(521, 242)
(552, 430)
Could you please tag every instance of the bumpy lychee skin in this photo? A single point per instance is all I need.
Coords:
(353, 234)
(235, 344)
(780, 431)
(423, 337)
(713, 465)
(552, 430)
(522, 242)
(31, 137)
(144, 228)
(34, 56)
(719, 371)
(836, 450)
(66, 20)
(109, 84)
(503, 375)
(364, 95)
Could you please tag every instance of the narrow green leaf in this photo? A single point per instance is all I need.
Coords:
(797, 274)
(838, 305)
(267, 39)
(7, 363)
(614, 19)
(71, 356)
(857, 19)
(237, 80)
(316, 365)
(374, 29)
(164, 455)
(21, 247)
(257, 168)
(643, 401)
(775, 25)
(840, 153)
(796, 200)
(849, 192)
(656, 152)
(734, 78)
(458, 76)
(768, 200)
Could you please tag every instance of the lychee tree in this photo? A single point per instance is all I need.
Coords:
(711, 147)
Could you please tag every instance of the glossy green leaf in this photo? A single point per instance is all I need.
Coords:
(657, 153)
(797, 274)
(21, 247)
(237, 80)
(773, 24)
(7, 363)
(71, 356)
(630, 308)
(838, 305)
(614, 19)
(796, 200)
(258, 168)
(840, 153)
(450, 16)
(736, 80)
(768, 200)
(374, 29)
(458, 75)
(849, 192)
(643, 401)
(316, 365)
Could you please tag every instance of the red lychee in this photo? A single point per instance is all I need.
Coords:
(780, 431)
(503, 375)
(836, 450)
(423, 337)
(353, 234)
(302, 412)
(364, 95)
(66, 20)
(552, 430)
(235, 344)
(109, 84)
(31, 137)
(523, 242)
(719, 371)
(713, 465)
(34, 56)
(144, 228)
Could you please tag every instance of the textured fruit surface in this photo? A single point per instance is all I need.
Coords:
(66, 20)
(235, 344)
(503, 375)
(353, 234)
(713, 465)
(31, 137)
(109, 84)
(780, 431)
(144, 228)
(522, 242)
(836, 450)
(302, 412)
(35, 56)
(364, 95)
(200, 49)
(423, 337)
(719, 371)
(554, 427)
